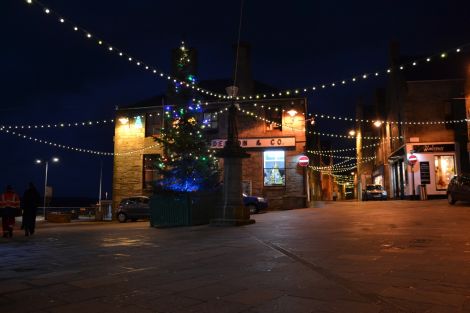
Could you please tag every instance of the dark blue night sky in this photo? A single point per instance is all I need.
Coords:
(51, 74)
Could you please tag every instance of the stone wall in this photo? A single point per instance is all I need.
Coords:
(128, 167)
(430, 101)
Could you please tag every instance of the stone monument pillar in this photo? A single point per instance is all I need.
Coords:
(232, 212)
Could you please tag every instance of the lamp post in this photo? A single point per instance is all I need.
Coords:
(39, 161)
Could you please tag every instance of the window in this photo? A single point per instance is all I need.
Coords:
(153, 124)
(444, 169)
(274, 118)
(150, 174)
(210, 120)
(274, 168)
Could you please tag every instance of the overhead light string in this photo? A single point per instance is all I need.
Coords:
(379, 122)
(72, 148)
(360, 77)
(60, 124)
(121, 53)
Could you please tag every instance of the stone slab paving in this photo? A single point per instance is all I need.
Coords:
(390, 256)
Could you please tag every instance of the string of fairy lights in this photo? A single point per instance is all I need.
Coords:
(12, 130)
(90, 151)
(284, 93)
(342, 150)
(379, 122)
(343, 179)
(60, 124)
(340, 166)
(333, 156)
(112, 49)
(361, 77)
(331, 135)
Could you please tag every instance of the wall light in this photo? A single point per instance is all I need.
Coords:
(292, 112)
(377, 124)
(124, 120)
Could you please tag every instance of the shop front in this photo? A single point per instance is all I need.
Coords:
(272, 171)
(436, 164)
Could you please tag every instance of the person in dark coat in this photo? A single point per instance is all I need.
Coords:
(31, 201)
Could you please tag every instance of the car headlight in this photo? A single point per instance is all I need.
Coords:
(384, 193)
(260, 199)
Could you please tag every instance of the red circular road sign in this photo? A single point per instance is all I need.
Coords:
(412, 159)
(303, 160)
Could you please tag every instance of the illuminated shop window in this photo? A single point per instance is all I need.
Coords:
(210, 120)
(274, 168)
(444, 166)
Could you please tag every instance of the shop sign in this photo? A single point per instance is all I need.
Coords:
(257, 142)
(434, 148)
(424, 173)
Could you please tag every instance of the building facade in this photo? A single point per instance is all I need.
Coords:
(425, 118)
(271, 131)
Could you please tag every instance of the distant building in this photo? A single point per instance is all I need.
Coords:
(437, 93)
(273, 137)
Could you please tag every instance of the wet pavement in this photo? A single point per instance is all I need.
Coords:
(389, 256)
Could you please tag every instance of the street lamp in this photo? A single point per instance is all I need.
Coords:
(39, 161)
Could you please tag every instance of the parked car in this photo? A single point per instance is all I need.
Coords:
(255, 204)
(374, 192)
(459, 188)
(133, 208)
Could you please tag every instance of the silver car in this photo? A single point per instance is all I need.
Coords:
(133, 208)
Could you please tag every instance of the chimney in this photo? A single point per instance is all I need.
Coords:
(244, 76)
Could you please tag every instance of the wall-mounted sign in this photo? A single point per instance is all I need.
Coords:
(412, 159)
(257, 142)
(303, 160)
(446, 147)
(424, 173)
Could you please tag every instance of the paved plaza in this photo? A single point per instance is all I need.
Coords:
(390, 256)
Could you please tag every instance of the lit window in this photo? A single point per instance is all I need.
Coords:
(444, 167)
(153, 124)
(150, 174)
(210, 120)
(273, 118)
(274, 168)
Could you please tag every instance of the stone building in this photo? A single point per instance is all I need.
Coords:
(435, 95)
(274, 148)
(272, 132)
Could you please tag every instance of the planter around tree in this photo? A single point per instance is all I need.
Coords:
(183, 209)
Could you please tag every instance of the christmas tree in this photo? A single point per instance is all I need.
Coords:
(187, 163)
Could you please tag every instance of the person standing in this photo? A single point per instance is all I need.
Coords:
(9, 208)
(31, 201)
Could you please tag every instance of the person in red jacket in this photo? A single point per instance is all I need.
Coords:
(9, 208)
